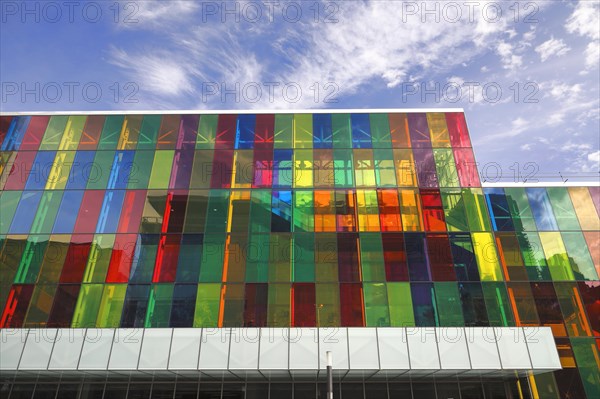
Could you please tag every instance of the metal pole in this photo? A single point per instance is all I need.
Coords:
(329, 375)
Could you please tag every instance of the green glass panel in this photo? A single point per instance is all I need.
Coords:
(401, 307)
(454, 210)
(111, 132)
(477, 214)
(217, 211)
(385, 172)
(149, 132)
(371, 255)
(99, 258)
(72, 134)
(283, 135)
(518, 204)
(376, 305)
(161, 169)
(208, 300)
(202, 169)
(326, 257)
(54, 259)
(303, 131)
(343, 164)
(88, 303)
(328, 305)
(212, 258)
(449, 305)
(140, 170)
(46, 213)
(100, 172)
(260, 211)
(31, 261)
(303, 213)
(588, 364)
(278, 310)
(40, 305)
(54, 131)
(257, 261)
(445, 167)
(556, 256)
(154, 209)
(207, 132)
(380, 130)
(8, 205)
(280, 259)
(563, 208)
(159, 306)
(303, 265)
(497, 305)
(533, 256)
(111, 306)
(236, 255)
(579, 256)
(571, 306)
(195, 218)
(342, 131)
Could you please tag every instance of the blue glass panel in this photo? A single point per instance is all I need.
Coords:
(183, 305)
(473, 304)
(282, 168)
(361, 131)
(465, 263)
(15, 133)
(498, 206)
(281, 207)
(244, 137)
(135, 305)
(25, 212)
(541, 209)
(190, 256)
(416, 257)
(67, 212)
(323, 136)
(142, 266)
(423, 298)
(110, 212)
(81, 170)
(120, 170)
(40, 170)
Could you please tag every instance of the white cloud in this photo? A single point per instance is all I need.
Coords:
(592, 55)
(552, 47)
(155, 13)
(585, 20)
(509, 59)
(594, 157)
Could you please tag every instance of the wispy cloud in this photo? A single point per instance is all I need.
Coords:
(552, 47)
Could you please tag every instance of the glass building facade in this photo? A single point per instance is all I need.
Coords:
(327, 220)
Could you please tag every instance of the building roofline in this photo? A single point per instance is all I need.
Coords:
(542, 184)
(235, 111)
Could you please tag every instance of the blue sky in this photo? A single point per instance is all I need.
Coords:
(527, 75)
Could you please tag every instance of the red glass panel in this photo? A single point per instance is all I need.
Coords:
(592, 238)
(466, 167)
(35, 132)
(91, 132)
(263, 168)
(394, 256)
(263, 133)
(89, 210)
(131, 213)
(77, 255)
(122, 256)
(389, 210)
(165, 267)
(63, 307)
(590, 294)
(303, 305)
(348, 267)
(399, 130)
(16, 306)
(440, 257)
(222, 168)
(226, 128)
(20, 170)
(595, 194)
(168, 134)
(433, 212)
(351, 301)
(255, 305)
(457, 128)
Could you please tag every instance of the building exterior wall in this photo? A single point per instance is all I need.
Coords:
(290, 220)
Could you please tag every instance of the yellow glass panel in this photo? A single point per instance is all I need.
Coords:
(243, 171)
(99, 258)
(410, 209)
(130, 132)
(303, 168)
(364, 168)
(303, 131)
(405, 168)
(368, 210)
(438, 129)
(584, 208)
(487, 257)
(72, 133)
(60, 171)
(111, 306)
(556, 256)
